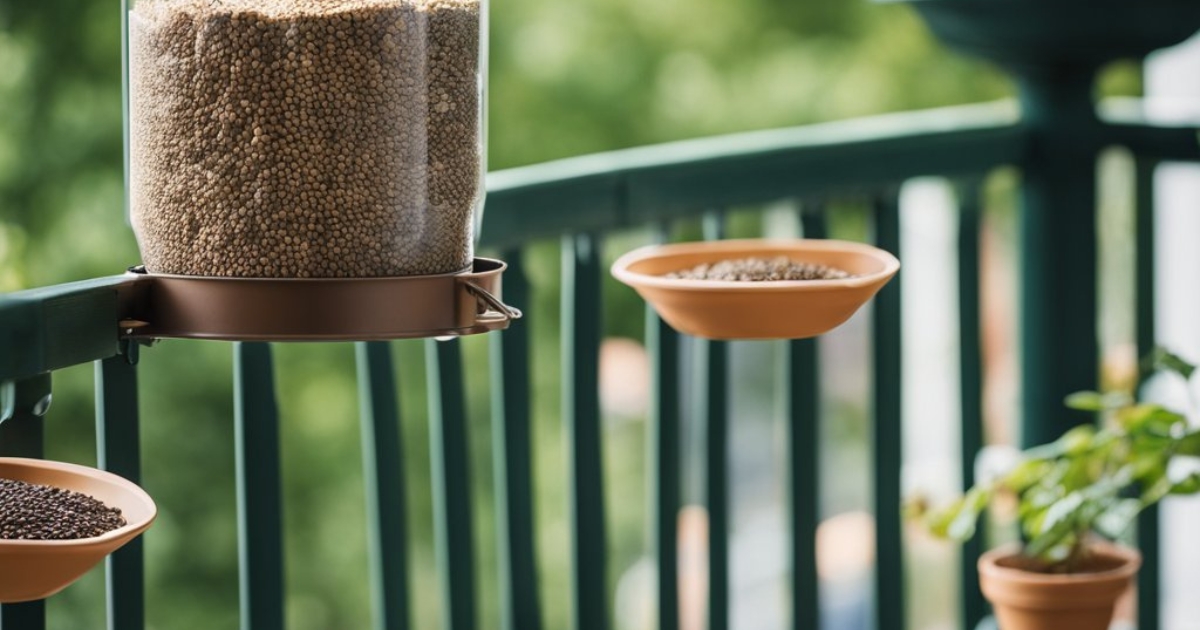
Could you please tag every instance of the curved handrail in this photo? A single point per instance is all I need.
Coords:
(631, 186)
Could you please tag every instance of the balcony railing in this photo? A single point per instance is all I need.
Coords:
(824, 170)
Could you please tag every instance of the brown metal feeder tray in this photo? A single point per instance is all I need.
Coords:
(318, 309)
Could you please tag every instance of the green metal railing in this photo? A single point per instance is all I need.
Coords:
(47, 329)
(581, 201)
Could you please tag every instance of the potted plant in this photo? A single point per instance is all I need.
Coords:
(1073, 496)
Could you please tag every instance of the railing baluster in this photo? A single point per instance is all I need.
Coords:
(663, 344)
(119, 452)
(510, 372)
(23, 616)
(450, 456)
(581, 411)
(1149, 578)
(712, 359)
(383, 474)
(22, 435)
(1057, 237)
(972, 606)
(260, 506)
(887, 442)
(802, 411)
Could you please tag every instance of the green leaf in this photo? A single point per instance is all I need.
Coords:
(938, 521)
(1026, 474)
(1075, 441)
(1117, 517)
(1079, 474)
(1041, 497)
(1058, 521)
(1031, 522)
(962, 528)
(1096, 401)
(1079, 439)
(957, 521)
(1150, 443)
(1154, 419)
(1188, 485)
(1110, 484)
(1056, 525)
(1148, 466)
(1156, 491)
(1189, 444)
(1163, 360)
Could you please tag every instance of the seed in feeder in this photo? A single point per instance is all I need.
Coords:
(759, 270)
(36, 512)
(304, 138)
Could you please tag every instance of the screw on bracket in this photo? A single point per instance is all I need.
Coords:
(130, 341)
(131, 326)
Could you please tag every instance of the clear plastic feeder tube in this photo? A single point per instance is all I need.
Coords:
(305, 138)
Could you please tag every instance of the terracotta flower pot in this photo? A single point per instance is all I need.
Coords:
(1028, 600)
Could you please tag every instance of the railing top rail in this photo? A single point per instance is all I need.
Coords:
(632, 186)
(1152, 128)
(805, 137)
(53, 327)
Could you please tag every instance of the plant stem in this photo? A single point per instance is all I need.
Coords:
(1078, 552)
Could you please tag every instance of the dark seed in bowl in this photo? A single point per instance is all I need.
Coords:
(31, 511)
(759, 270)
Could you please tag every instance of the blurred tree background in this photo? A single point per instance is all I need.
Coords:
(566, 78)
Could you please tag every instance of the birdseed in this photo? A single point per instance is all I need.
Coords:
(305, 138)
(37, 512)
(760, 270)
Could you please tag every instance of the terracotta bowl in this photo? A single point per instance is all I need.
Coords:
(726, 309)
(36, 569)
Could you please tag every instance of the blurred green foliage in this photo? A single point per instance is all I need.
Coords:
(566, 78)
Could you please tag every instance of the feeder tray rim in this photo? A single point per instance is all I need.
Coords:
(137, 491)
(743, 248)
(223, 308)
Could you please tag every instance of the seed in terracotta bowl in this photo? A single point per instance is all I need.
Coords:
(36, 512)
(759, 270)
